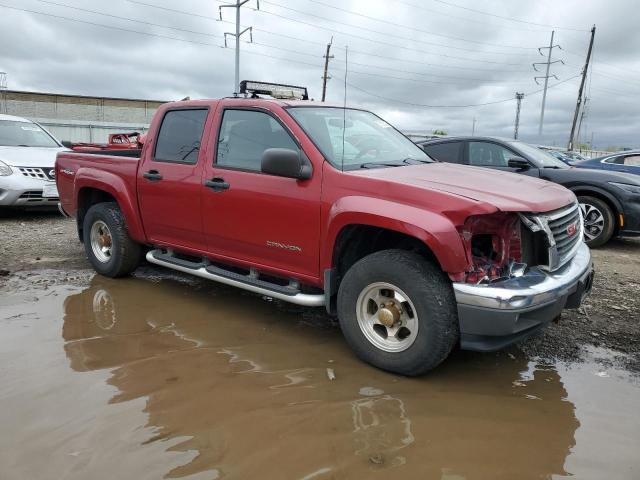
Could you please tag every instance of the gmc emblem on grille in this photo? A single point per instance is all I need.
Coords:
(572, 229)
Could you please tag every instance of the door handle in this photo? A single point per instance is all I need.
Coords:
(152, 175)
(217, 184)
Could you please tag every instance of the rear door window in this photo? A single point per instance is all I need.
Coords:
(180, 136)
(445, 152)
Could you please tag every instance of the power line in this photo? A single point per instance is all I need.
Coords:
(149, 34)
(452, 106)
(408, 27)
(464, 19)
(352, 51)
(403, 47)
(511, 19)
(297, 52)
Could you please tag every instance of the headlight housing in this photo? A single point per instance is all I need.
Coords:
(5, 170)
(493, 245)
(627, 187)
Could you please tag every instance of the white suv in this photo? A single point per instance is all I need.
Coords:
(27, 164)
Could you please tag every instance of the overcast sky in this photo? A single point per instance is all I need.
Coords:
(429, 52)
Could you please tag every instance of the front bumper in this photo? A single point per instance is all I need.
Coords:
(495, 315)
(17, 190)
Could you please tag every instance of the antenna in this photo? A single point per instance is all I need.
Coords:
(344, 102)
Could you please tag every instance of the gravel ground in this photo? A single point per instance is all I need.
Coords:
(39, 242)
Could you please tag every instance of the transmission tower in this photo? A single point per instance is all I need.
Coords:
(519, 97)
(546, 76)
(237, 35)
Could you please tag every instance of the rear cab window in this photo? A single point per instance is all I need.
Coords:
(180, 136)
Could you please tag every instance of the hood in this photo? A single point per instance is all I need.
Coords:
(30, 156)
(509, 192)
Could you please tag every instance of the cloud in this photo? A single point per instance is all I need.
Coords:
(400, 53)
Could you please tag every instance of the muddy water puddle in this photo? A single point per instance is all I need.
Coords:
(147, 378)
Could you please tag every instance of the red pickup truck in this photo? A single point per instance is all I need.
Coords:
(327, 206)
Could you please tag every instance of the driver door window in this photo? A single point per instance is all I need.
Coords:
(486, 154)
(632, 161)
(245, 135)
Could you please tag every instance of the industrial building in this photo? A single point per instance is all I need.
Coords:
(80, 118)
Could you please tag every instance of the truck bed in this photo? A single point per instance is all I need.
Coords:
(119, 171)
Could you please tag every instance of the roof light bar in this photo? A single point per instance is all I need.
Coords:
(275, 90)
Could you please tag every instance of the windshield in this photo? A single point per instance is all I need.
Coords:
(542, 158)
(352, 139)
(24, 134)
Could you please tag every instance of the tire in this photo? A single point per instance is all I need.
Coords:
(114, 254)
(594, 208)
(430, 300)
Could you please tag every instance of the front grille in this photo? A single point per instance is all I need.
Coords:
(565, 237)
(560, 231)
(43, 173)
(36, 196)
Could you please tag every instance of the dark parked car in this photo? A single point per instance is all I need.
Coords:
(610, 200)
(628, 161)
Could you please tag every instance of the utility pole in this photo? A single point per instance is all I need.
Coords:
(326, 77)
(473, 127)
(548, 63)
(519, 97)
(582, 115)
(238, 34)
(584, 78)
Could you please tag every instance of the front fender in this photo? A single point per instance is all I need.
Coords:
(124, 193)
(435, 230)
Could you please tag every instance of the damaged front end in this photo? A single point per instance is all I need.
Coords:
(504, 245)
(523, 270)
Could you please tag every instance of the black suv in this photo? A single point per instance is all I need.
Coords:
(610, 201)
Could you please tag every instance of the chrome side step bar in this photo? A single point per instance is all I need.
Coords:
(250, 282)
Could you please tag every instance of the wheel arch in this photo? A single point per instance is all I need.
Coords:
(606, 197)
(110, 188)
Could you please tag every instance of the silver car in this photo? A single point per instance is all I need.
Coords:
(27, 164)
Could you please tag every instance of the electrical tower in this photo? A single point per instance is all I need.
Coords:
(237, 35)
(546, 76)
(519, 97)
(326, 77)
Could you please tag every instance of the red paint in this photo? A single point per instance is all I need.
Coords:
(428, 202)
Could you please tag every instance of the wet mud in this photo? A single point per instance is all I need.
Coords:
(154, 377)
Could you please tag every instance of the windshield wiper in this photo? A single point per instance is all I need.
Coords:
(381, 164)
(411, 161)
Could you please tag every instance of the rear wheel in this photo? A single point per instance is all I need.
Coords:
(398, 312)
(107, 243)
(599, 221)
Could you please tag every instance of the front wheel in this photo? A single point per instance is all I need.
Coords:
(397, 312)
(107, 243)
(599, 221)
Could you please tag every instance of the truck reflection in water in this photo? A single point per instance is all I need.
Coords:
(244, 386)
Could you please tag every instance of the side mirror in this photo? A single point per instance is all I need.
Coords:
(284, 162)
(519, 163)
(66, 143)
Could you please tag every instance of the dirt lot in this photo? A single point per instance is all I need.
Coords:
(168, 376)
(610, 318)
